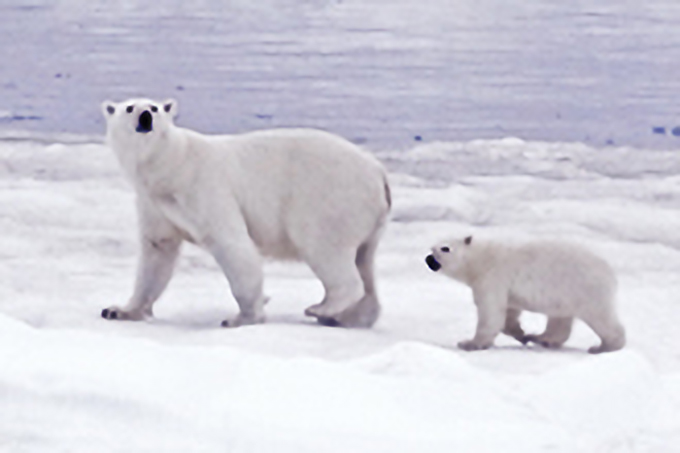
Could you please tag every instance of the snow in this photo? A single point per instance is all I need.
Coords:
(71, 381)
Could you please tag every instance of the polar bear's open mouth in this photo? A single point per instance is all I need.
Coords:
(432, 263)
(145, 122)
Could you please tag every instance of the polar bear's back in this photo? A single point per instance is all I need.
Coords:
(305, 183)
(560, 278)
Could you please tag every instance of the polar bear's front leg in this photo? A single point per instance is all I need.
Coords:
(242, 265)
(491, 312)
(156, 264)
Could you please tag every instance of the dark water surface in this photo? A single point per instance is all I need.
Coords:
(384, 73)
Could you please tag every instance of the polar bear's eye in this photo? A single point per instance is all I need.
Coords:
(154, 108)
(445, 249)
(130, 108)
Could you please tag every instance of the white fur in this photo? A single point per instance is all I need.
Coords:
(562, 280)
(287, 193)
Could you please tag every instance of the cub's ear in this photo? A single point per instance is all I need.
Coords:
(170, 106)
(468, 240)
(108, 108)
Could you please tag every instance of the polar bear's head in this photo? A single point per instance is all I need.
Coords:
(139, 119)
(450, 257)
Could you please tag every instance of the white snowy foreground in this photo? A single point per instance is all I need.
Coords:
(73, 382)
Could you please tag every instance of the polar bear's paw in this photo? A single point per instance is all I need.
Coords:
(362, 314)
(604, 347)
(116, 313)
(316, 311)
(244, 320)
(471, 345)
(543, 340)
(326, 310)
(328, 322)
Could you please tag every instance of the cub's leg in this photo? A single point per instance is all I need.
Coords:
(160, 243)
(512, 325)
(491, 312)
(609, 329)
(557, 332)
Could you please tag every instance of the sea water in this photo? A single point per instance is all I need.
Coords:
(388, 74)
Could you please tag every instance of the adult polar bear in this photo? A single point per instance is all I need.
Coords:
(283, 193)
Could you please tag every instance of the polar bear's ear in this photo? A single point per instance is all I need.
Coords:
(108, 108)
(170, 106)
(468, 240)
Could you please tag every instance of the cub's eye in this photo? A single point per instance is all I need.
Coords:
(130, 108)
(154, 108)
(445, 249)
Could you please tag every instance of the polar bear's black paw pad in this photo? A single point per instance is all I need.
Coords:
(109, 314)
(526, 339)
(328, 322)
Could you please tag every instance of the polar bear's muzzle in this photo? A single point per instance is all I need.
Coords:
(432, 263)
(145, 123)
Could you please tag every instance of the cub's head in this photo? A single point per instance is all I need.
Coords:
(450, 257)
(138, 119)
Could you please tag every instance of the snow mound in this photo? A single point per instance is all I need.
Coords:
(70, 381)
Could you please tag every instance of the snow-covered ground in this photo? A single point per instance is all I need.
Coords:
(71, 381)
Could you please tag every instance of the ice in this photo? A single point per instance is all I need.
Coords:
(71, 381)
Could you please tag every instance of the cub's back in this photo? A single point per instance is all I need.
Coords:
(560, 273)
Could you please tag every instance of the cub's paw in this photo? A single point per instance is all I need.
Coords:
(115, 313)
(471, 345)
(315, 311)
(543, 341)
(242, 320)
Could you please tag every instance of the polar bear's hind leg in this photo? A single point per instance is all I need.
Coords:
(366, 310)
(512, 325)
(610, 331)
(557, 332)
(341, 281)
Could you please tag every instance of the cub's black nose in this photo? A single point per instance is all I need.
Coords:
(432, 263)
(145, 122)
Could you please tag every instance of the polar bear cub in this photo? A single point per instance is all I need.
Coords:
(562, 280)
(287, 193)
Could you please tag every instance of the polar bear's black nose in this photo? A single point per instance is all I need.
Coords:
(145, 122)
(432, 263)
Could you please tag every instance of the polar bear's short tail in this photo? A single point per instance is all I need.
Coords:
(388, 192)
